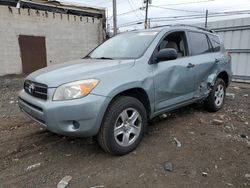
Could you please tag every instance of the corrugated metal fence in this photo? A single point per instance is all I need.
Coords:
(236, 37)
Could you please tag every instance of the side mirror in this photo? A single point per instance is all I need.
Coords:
(166, 54)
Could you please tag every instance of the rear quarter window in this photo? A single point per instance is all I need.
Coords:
(215, 41)
(198, 43)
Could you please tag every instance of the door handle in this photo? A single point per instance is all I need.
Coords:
(216, 60)
(190, 65)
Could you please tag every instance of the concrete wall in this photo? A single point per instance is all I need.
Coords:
(67, 37)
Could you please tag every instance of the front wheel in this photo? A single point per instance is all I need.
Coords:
(123, 126)
(216, 98)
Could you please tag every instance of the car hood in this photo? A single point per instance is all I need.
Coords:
(58, 74)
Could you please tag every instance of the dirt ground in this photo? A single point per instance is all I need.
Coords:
(214, 152)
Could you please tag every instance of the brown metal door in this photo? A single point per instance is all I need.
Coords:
(33, 53)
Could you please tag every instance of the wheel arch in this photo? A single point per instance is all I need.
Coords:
(138, 93)
(224, 76)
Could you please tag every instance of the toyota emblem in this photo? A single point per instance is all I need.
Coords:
(31, 88)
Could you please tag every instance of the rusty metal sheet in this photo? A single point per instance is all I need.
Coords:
(33, 53)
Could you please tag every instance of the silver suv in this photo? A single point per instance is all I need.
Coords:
(126, 81)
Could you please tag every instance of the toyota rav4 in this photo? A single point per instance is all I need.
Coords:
(129, 79)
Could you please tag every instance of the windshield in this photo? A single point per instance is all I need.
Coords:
(124, 46)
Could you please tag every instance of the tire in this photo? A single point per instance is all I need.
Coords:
(216, 98)
(120, 133)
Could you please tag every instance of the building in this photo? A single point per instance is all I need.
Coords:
(235, 34)
(38, 33)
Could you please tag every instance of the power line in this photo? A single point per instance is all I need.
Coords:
(175, 9)
(166, 17)
(168, 20)
(193, 11)
(192, 2)
(109, 3)
(162, 6)
(227, 12)
(128, 12)
(188, 18)
(194, 16)
(131, 6)
(171, 4)
(124, 13)
(215, 13)
(136, 7)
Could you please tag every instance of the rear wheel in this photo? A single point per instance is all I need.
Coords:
(216, 98)
(123, 126)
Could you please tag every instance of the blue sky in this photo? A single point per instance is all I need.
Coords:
(167, 8)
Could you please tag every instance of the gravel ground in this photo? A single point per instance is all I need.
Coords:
(214, 152)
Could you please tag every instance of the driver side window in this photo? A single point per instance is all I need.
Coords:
(176, 40)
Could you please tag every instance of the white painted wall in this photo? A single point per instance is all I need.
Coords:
(67, 38)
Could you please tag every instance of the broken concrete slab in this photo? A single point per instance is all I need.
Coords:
(247, 176)
(230, 95)
(237, 88)
(218, 122)
(64, 182)
(33, 166)
(168, 166)
(178, 143)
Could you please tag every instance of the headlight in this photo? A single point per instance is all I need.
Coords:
(75, 90)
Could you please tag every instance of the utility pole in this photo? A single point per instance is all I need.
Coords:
(114, 18)
(146, 15)
(206, 19)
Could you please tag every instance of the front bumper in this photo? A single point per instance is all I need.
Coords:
(79, 117)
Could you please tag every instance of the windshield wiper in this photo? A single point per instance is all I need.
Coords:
(104, 58)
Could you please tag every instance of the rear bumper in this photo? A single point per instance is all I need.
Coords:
(79, 117)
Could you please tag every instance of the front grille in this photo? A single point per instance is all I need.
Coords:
(36, 89)
(29, 104)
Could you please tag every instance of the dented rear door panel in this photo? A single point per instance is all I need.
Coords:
(205, 66)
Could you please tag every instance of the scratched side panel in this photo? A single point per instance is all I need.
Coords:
(204, 66)
(207, 70)
(174, 83)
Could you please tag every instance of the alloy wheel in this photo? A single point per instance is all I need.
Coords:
(219, 95)
(127, 127)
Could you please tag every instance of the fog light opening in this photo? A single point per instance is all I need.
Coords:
(76, 125)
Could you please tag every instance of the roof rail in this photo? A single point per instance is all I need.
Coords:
(197, 27)
(160, 26)
(186, 25)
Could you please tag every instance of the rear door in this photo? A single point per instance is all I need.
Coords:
(203, 60)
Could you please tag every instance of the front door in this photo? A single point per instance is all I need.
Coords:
(33, 53)
(173, 79)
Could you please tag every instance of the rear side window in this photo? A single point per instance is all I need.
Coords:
(215, 41)
(198, 43)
